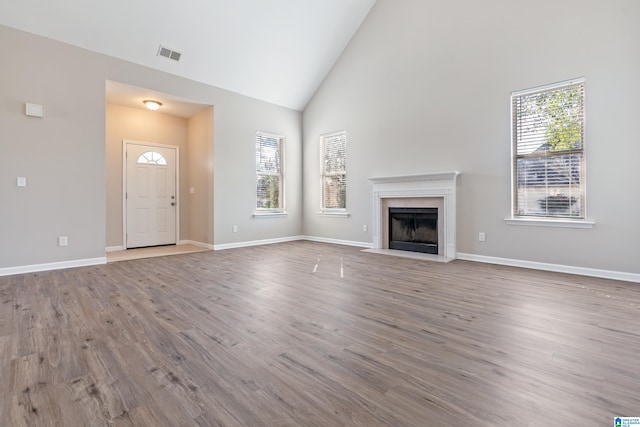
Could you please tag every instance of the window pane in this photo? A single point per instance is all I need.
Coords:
(152, 158)
(550, 186)
(334, 191)
(268, 154)
(550, 120)
(268, 192)
(334, 153)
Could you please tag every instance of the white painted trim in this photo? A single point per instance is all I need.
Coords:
(224, 246)
(270, 214)
(334, 214)
(408, 254)
(423, 177)
(194, 243)
(551, 86)
(560, 223)
(583, 271)
(52, 266)
(114, 248)
(366, 245)
(438, 184)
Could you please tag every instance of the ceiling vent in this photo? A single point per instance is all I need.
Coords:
(168, 53)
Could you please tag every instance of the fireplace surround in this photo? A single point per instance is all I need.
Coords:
(423, 190)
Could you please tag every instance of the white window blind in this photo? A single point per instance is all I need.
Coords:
(334, 172)
(269, 172)
(548, 151)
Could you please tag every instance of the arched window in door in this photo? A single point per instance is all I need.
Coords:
(152, 158)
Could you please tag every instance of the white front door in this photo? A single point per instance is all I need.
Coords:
(151, 198)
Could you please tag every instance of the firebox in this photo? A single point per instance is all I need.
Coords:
(414, 229)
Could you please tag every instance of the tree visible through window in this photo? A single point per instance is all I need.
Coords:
(269, 172)
(548, 151)
(334, 171)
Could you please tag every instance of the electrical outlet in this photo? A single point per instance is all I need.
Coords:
(365, 227)
(63, 241)
(482, 237)
(235, 228)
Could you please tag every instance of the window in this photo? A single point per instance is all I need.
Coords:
(269, 172)
(548, 151)
(334, 172)
(151, 158)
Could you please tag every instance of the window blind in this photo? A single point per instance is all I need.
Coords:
(548, 148)
(269, 171)
(334, 172)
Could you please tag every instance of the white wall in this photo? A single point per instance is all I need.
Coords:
(424, 86)
(63, 154)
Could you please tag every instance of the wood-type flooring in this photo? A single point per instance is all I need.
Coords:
(313, 334)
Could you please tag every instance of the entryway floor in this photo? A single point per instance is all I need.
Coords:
(155, 251)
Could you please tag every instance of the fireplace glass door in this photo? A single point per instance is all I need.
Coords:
(414, 229)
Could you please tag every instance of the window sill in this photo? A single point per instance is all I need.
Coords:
(270, 214)
(561, 223)
(335, 214)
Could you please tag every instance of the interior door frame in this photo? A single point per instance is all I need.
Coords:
(126, 142)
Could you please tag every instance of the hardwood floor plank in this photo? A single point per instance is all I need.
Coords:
(312, 334)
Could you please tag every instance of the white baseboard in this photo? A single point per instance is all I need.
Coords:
(52, 266)
(366, 245)
(582, 271)
(256, 243)
(292, 239)
(194, 243)
(114, 248)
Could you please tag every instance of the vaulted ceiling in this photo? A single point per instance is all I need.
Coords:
(278, 51)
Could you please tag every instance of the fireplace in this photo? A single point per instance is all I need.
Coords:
(414, 229)
(429, 190)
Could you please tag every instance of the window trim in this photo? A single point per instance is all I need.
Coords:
(546, 221)
(550, 222)
(272, 212)
(330, 212)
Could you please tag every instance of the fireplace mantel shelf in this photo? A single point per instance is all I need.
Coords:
(436, 176)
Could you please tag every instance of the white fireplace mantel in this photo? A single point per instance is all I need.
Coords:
(440, 184)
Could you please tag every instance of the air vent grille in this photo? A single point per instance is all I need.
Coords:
(168, 53)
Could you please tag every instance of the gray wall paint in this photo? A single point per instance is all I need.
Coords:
(235, 171)
(63, 154)
(424, 86)
(200, 177)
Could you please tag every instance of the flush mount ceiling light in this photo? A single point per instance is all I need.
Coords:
(151, 104)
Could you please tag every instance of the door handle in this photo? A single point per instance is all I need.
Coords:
(173, 203)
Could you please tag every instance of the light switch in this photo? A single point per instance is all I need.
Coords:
(22, 181)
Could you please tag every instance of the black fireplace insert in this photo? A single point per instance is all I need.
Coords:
(414, 229)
